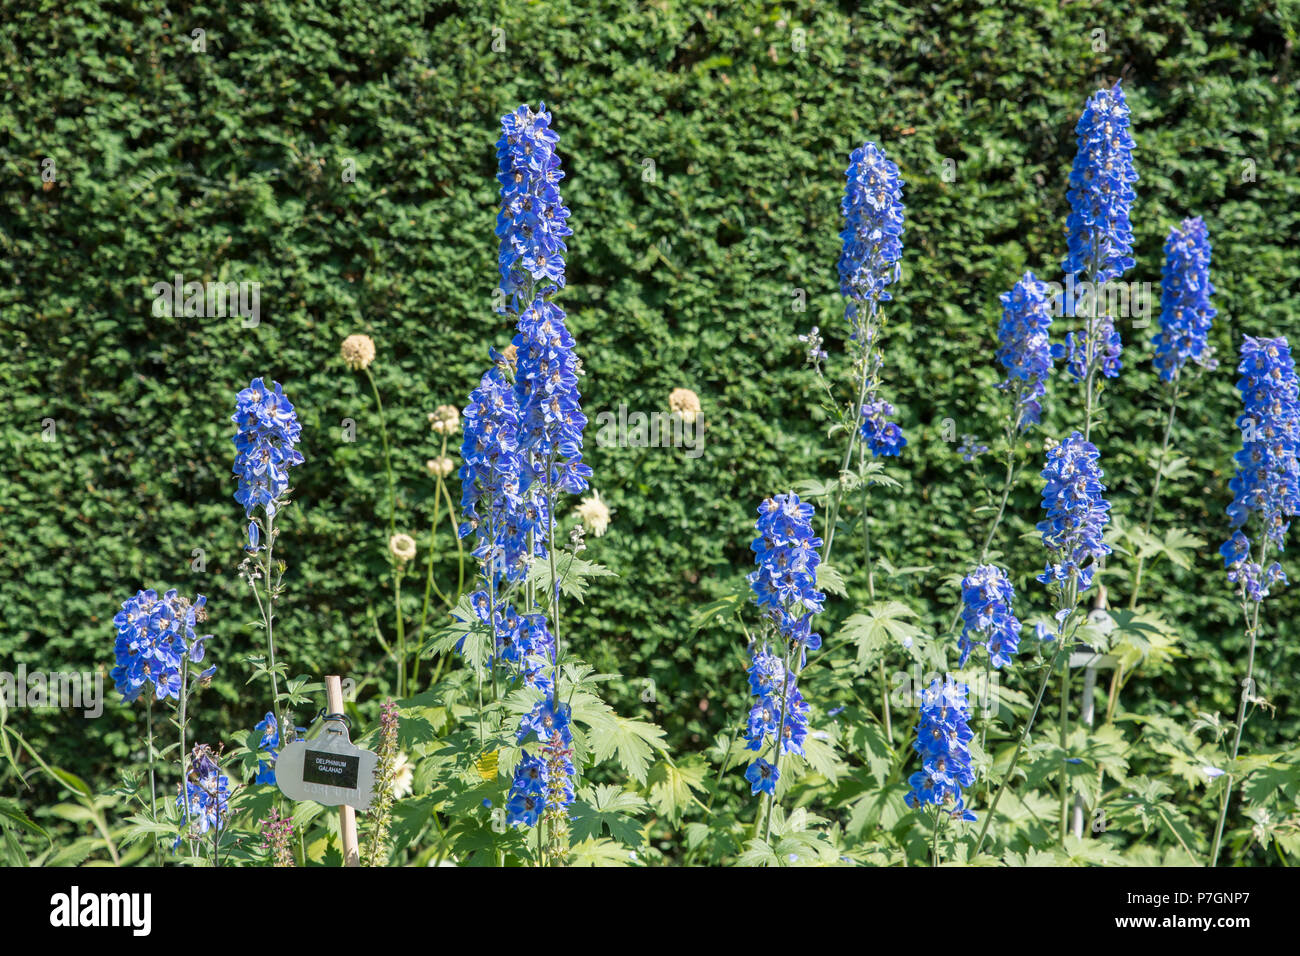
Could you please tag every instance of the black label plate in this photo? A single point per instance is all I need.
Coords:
(332, 770)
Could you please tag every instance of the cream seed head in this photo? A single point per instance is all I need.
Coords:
(358, 352)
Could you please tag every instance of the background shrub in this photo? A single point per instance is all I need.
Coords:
(227, 165)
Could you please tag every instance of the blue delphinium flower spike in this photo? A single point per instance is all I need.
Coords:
(873, 228)
(267, 430)
(533, 220)
(1185, 310)
(207, 793)
(784, 587)
(987, 616)
(1267, 480)
(1076, 515)
(870, 262)
(1099, 234)
(1024, 346)
(943, 739)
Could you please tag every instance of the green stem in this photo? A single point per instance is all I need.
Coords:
(934, 843)
(180, 724)
(429, 586)
(1024, 735)
(1247, 688)
(1155, 490)
(153, 789)
(1065, 734)
(269, 613)
(398, 569)
(1008, 482)
(833, 513)
(388, 466)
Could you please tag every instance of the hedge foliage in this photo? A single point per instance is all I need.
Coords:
(705, 150)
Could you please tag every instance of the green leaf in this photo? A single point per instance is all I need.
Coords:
(607, 807)
(883, 627)
(672, 786)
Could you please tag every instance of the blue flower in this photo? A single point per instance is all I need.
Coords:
(550, 406)
(883, 437)
(543, 783)
(762, 777)
(784, 587)
(786, 552)
(155, 637)
(873, 230)
(524, 643)
(532, 222)
(1185, 310)
(270, 743)
(492, 475)
(987, 617)
(943, 739)
(1076, 515)
(1098, 346)
(1266, 484)
(527, 797)
(1024, 348)
(206, 795)
(266, 431)
(971, 448)
(1099, 235)
(546, 720)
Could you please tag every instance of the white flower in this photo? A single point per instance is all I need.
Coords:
(445, 420)
(358, 351)
(595, 514)
(402, 547)
(685, 404)
(403, 776)
(440, 467)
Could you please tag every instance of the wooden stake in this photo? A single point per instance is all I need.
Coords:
(347, 815)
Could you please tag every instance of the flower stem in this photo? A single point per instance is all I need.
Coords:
(833, 513)
(1247, 693)
(1024, 735)
(269, 614)
(153, 790)
(1155, 490)
(388, 465)
(1065, 734)
(429, 586)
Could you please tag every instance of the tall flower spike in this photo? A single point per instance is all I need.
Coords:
(1185, 310)
(873, 228)
(870, 262)
(1024, 346)
(784, 587)
(267, 430)
(1076, 515)
(1099, 235)
(491, 478)
(544, 784)
(550, 405)
(1267, 480)
(943, 739)
(787, 554)
(987, 617)
(532, 222)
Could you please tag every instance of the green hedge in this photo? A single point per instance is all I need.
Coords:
(227, 164)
